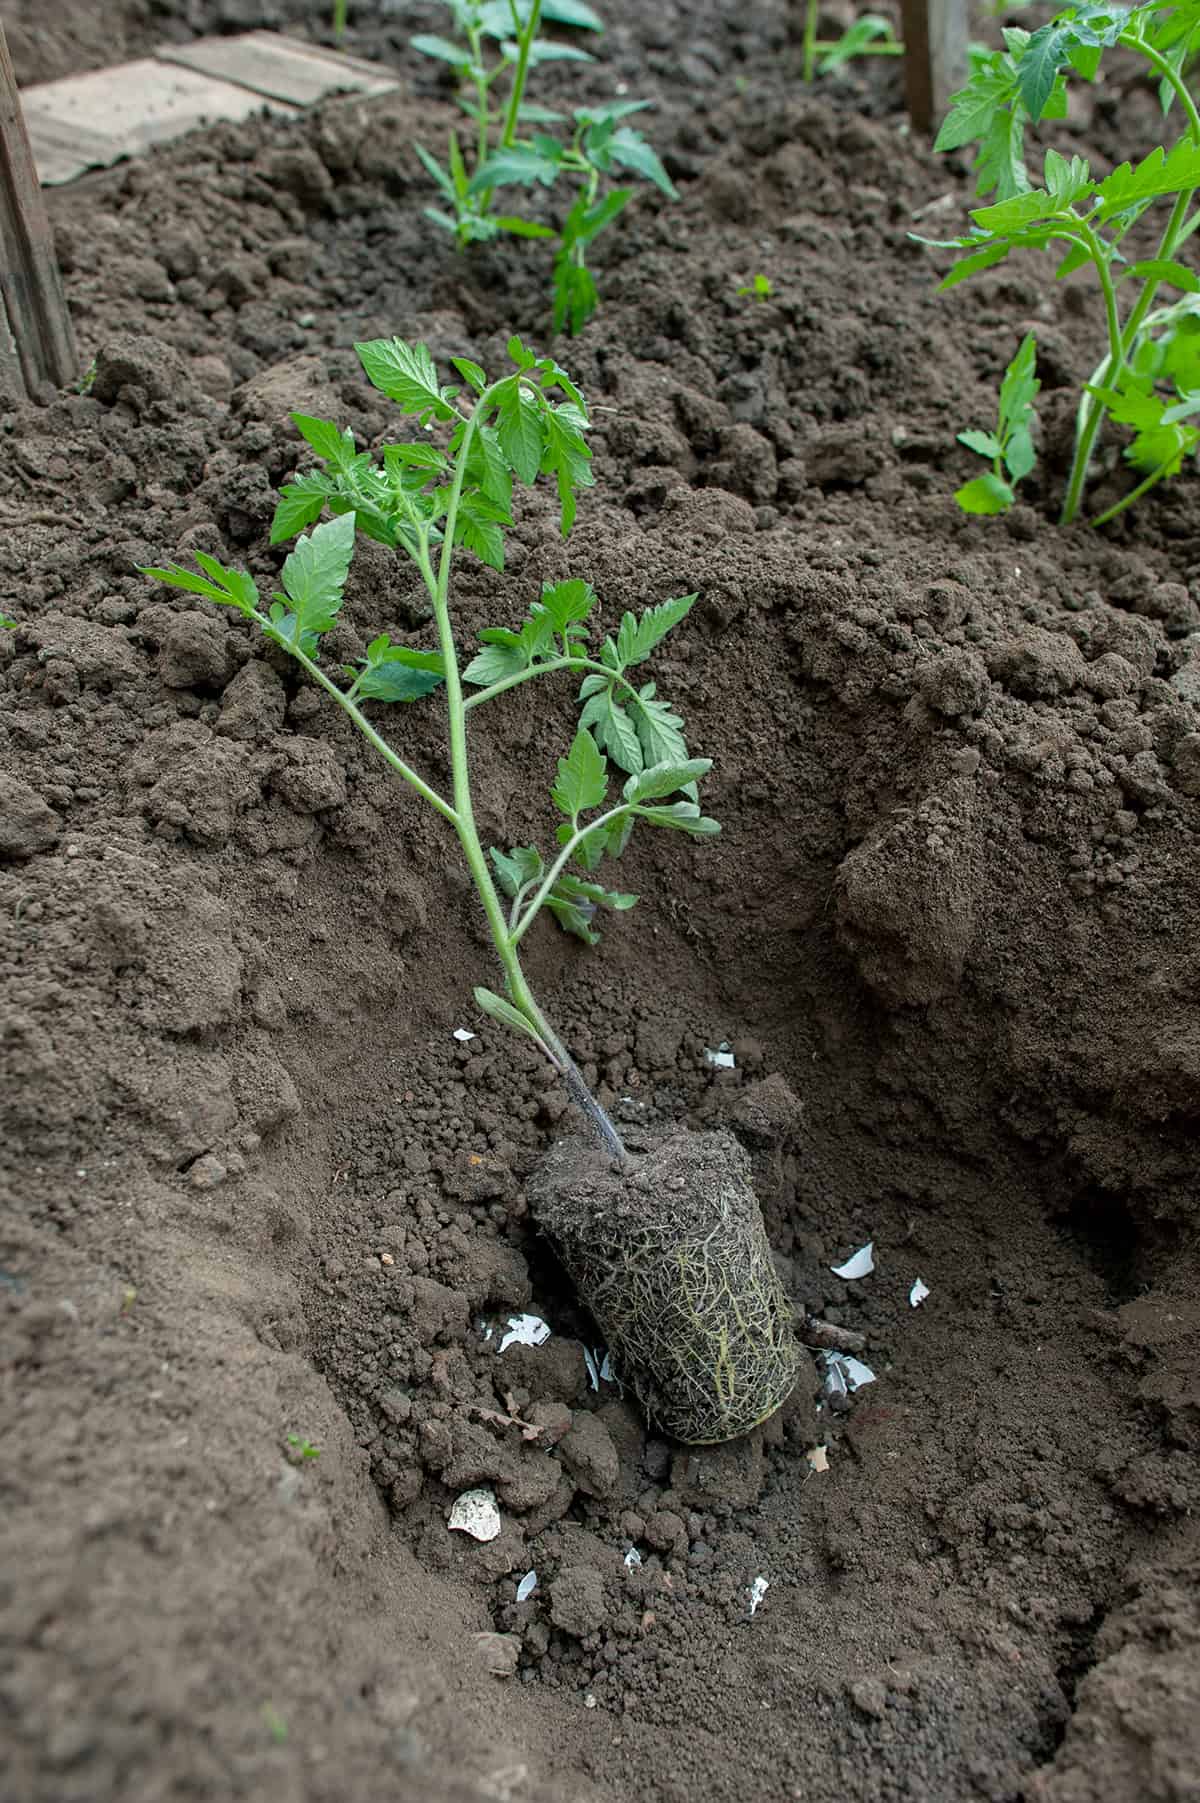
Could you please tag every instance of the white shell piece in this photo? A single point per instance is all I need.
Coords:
(632, 1558)
(593, 1369)
(527, 1586)
(475, 1512)
(462, 1036)
(722, 1058)
(525, 1330)
(818, 1457)
(918, 1293)
(859, 1264)
(758, 1590)
(857, 1374)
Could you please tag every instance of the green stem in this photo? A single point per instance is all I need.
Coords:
(810, 39)
(1110, 513)
(1092, 412)
(482, 100)
(380, 744)
(525, 37)
(1130, 41)
(560, 864)
(587, 665)
(504, 940)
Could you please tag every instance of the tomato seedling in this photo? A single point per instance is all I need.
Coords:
(1149, 351)
(1009, 449)
(498, 45)
(428, 500)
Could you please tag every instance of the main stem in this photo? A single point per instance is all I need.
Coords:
(505, 942)
(1092, 417)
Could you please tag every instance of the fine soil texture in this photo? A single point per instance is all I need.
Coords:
(266, 1218)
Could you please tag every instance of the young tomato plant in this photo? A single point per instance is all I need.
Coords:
(429, 500)
(1149, 377)
(496, 48)
(870, 35)
(1009, 449)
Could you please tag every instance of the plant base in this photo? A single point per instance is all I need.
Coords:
(671, 1257)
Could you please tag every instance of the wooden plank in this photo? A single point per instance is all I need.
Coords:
(279, 67)
(111, 113)
(30, 282)
(935, 57)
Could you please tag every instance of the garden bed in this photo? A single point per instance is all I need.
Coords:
(261, 1203)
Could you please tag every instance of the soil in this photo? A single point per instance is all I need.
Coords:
(261, 1208)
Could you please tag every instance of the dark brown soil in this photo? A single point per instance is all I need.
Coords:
(259, 1202)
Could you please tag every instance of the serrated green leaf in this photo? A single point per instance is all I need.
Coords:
(479, 526)
(1037, 71)
(519, 428)
(988, 493)
(230, 588)
(457, 55)
(575, 293)
(566, 457)
(659, 730)
(683, 817)
(313, 578)
(1157, 174)
(470, 373)
(638, 636)
(614, 730)
(496, 1006)
(517, 164)
(1009, 216)
(665, 779)
(300, 503)
(521, 228)
(972, 265)
(517, 868)
(330, 443)
(432, 167)
(582, 777)
(986, 443)
(1158, 269)
(494, 664)
(406, 374)
(628, 148)
(395, 681)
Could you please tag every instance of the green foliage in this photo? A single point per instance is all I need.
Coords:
(454, 490)
(1009, 449)
(302, 1448)
(761, 288)
(496, 46)
(7, 625)
(1084, 220)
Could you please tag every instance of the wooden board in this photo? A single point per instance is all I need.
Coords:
(935, 57)
(90, 121)
(281, 68)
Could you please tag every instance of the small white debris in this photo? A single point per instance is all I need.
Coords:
(859, 1264)
(484, 1328)
(758, 1590)
(918, 1293)
(462, 1036)
(818, 1457)
(475, 1513)
(844, 1374)
(632, 1559)
(525, 1330)
(593, 1369)
(527, 1586)
(606, 1370)
(599, 1366)
(722, 1058)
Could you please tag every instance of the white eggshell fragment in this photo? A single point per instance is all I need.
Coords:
(475, 1512)
(859, 1264)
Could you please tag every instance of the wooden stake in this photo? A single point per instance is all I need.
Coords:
(30, 284)
(935, 57)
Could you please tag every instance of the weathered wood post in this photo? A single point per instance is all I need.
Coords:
(37, 342)
(935, 57)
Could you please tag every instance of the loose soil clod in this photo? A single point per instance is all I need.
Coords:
(672, 1258)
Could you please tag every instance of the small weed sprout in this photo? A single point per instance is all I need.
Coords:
(498, 46)
(870, 35)
(1149, 377)
(7, 625)
(1009, 448)
(302, 1448)
(761, 288)
(427, 501)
